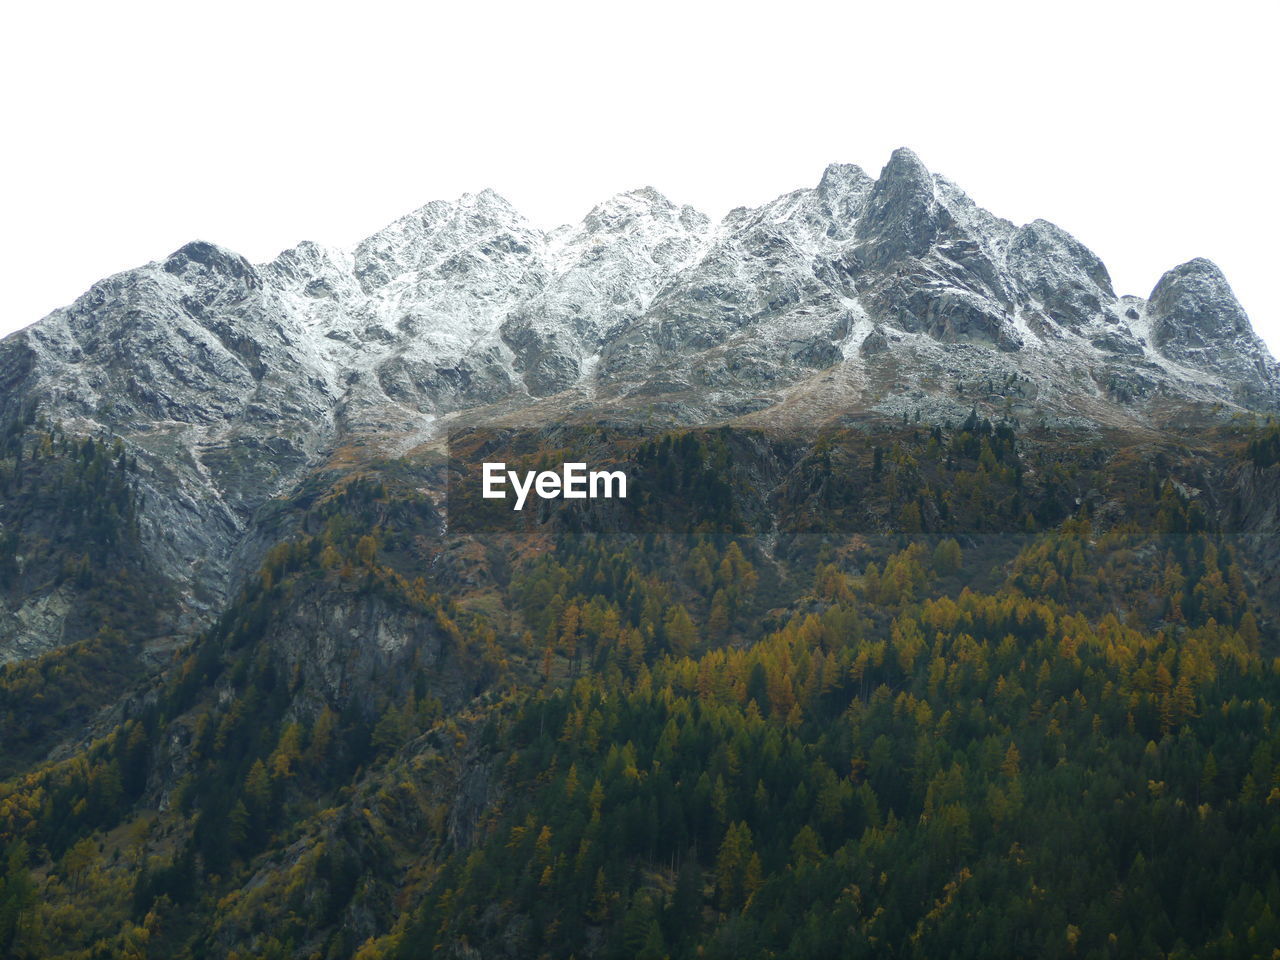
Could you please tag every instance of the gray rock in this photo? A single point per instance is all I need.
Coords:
(1196, 320)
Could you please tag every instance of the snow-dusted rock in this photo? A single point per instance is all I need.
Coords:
(1196, 320)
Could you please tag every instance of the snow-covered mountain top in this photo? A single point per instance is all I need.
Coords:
(465, 302)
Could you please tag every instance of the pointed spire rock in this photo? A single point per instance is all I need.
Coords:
(1194, 306)
(902, 217)
(1197, 320)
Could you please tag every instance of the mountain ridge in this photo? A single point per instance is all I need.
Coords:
(895, 296)
(452, 273)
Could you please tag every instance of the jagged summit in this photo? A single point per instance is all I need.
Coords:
(905, 169)
(1199, 283)
(1059, 276)
(840, 173)
(463, 303)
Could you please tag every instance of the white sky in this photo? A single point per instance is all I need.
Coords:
(1145, 129)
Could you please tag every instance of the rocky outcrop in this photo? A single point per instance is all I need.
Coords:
(608, 270)
(1196, 320)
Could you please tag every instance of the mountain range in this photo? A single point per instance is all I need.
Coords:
(895, 295)
(941, 617)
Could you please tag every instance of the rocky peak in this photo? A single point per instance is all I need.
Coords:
(904, 172)
(840, 177)
(1196, 320)
(843, 189)
(307, 259)
(620, 209)
(199, 263)
(314, 271)
(902, 216)
(927, 259)
(1059, 277)
(447, 236)
(1194, 304)
(606, 272)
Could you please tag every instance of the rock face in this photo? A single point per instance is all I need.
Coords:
(229, 381)
(606, 273)
(1196, 320)
(761, 304)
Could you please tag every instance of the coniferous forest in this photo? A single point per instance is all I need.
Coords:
(904, 689)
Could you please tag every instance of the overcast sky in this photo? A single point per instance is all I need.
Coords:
(1145, 129)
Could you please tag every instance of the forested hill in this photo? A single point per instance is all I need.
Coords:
(914, 689)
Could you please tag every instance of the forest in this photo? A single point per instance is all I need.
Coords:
(962, 690)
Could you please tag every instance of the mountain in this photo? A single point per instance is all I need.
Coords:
(942, 612)
(230, 381)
